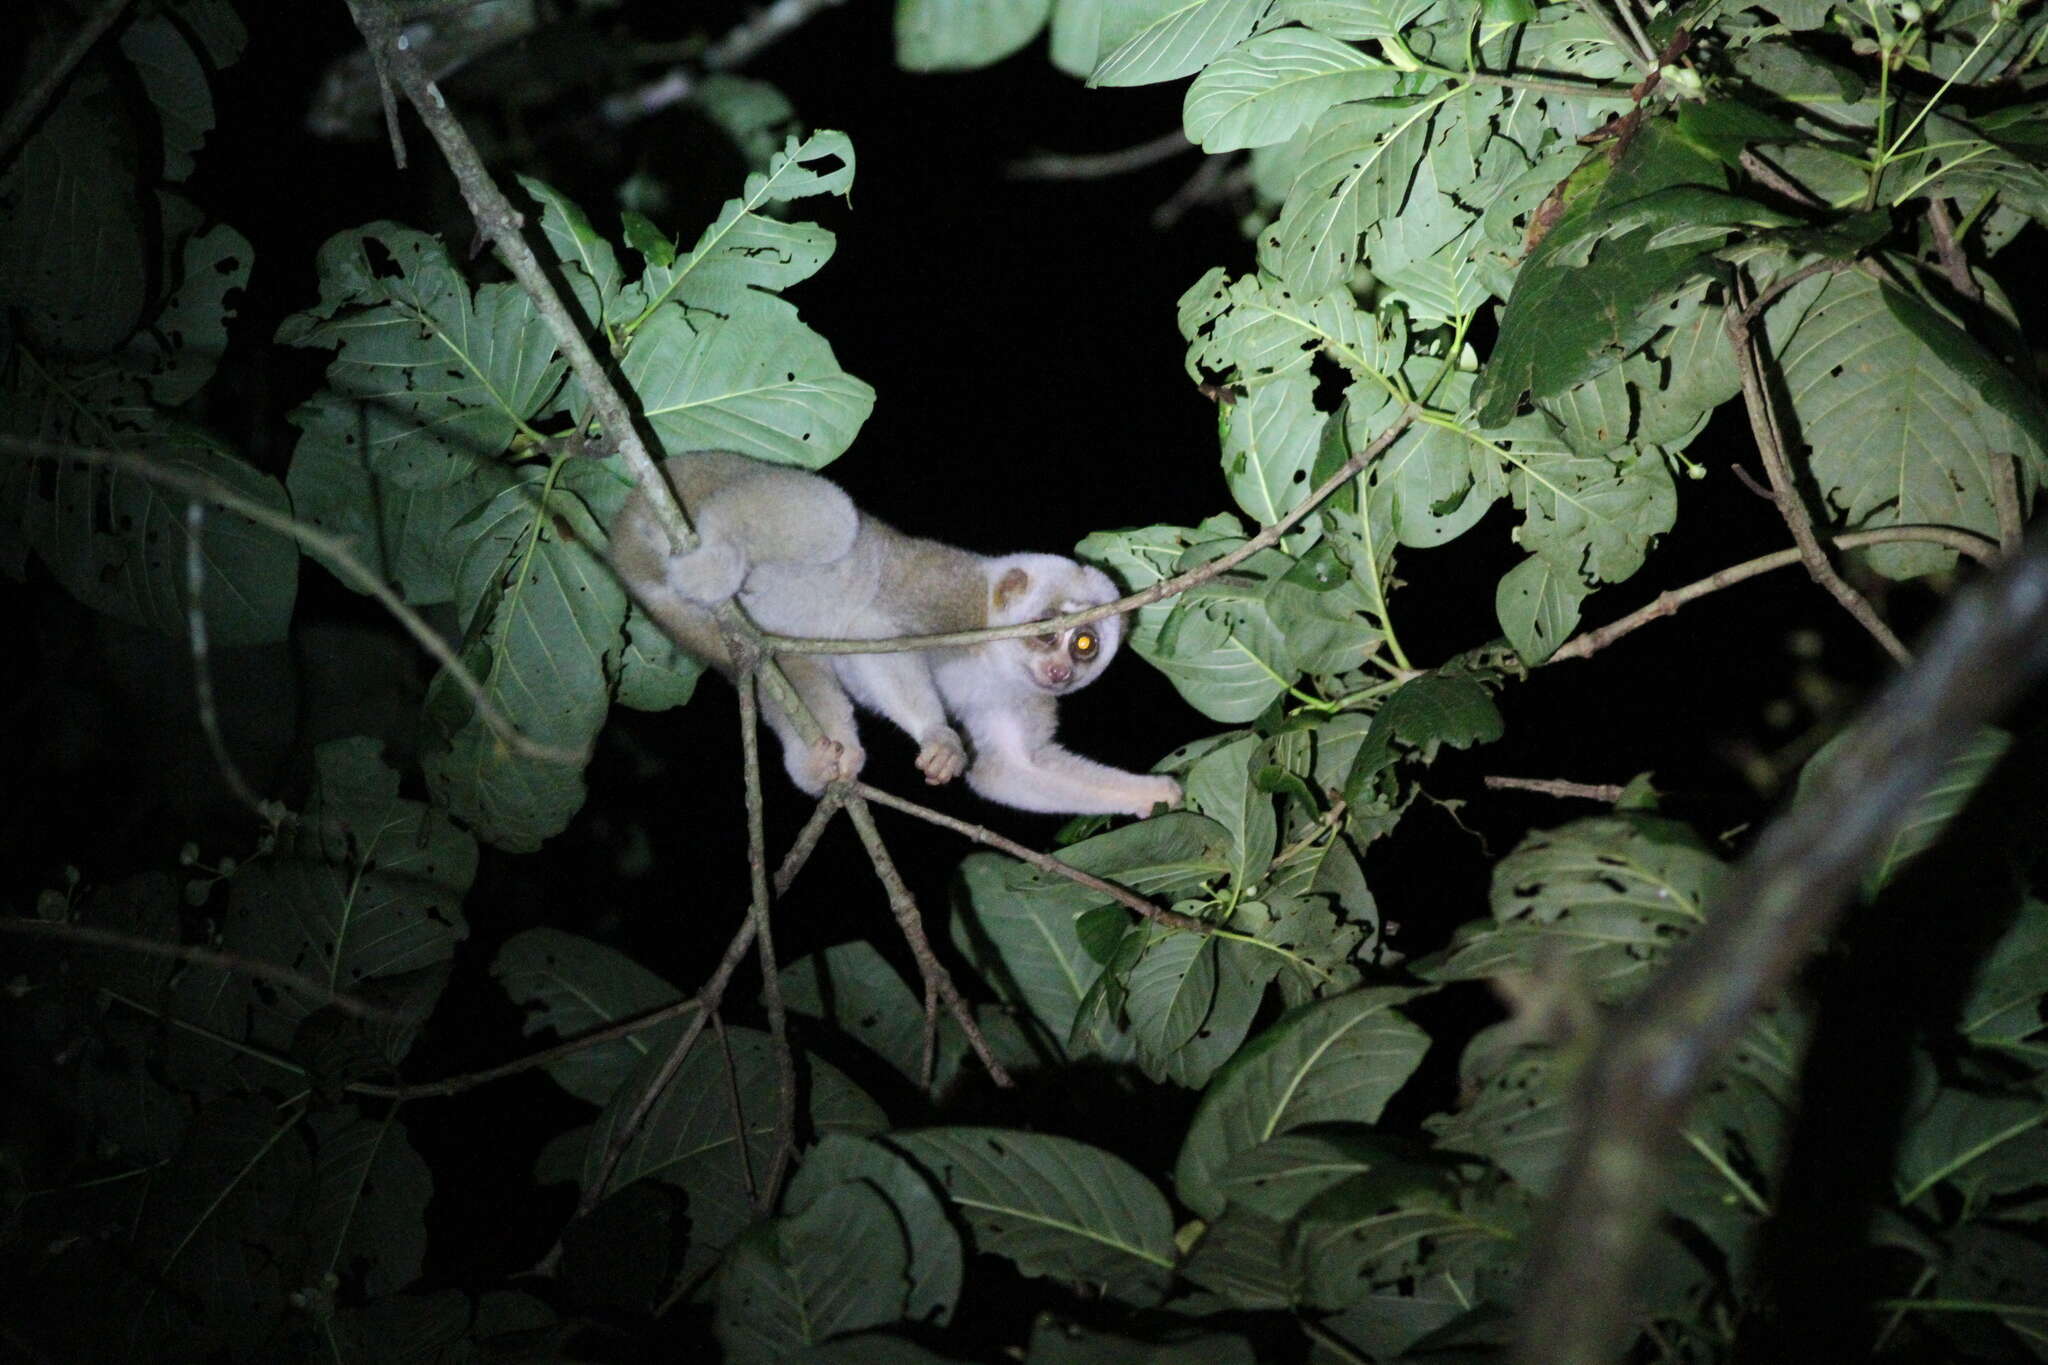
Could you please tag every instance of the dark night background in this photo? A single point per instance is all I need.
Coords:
(1021, 337)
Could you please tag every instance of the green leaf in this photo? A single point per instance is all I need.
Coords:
(1723, 128)
(1054, 1206)
(1902, 414)
(1280, 1177)
(119, 542)
(1538, 608)
(1425, 713)
(587, 258)
(2005, 1003)
(1246, 1260)
(724, 1094)
(366, 1204)
(364, 892)
(542, 611)
(1354, 18)
(404, 535)
(938, 1260)
(839, 1266)
(961, 35)
(443, 379)
(1436, 482)
(1377, 1230)
(1158, 40)
(1519, 1118)
(1358, 156)
(1931, 811)
(1642, 229)
(1595, 516)
(758, 382)
(1337, 1059)
(1270, 446)
(1255, 327)
(1171, 990)
(219, 1227)
(853, 988)
(1276, 83)
(748, 249)
(1220, 786)
(570, 986)
(1611, 896)
(1021, 926)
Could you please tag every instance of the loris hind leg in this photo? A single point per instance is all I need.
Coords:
(838, 753)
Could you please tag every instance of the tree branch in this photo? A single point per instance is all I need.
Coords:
(1769, 433)
(29, 105)
(1593, 641)
(1778, 903)
(1044, 862)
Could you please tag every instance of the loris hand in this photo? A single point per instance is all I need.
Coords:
(943, 757)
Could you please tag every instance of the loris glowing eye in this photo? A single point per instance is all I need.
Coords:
(1085, 644)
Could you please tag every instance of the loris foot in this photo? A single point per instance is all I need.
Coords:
(828, 761)
(942, 758)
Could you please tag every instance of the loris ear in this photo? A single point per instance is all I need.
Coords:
(1012, 585)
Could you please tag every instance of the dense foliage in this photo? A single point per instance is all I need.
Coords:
(1521, 253)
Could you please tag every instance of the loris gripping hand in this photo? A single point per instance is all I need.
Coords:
(804, 561)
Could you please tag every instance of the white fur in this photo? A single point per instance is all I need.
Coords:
(805, 563)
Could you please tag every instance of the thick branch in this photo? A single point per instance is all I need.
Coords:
(1779, 902)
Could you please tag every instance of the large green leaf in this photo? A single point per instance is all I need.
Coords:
(724, 1095)
(1054, 1206)
(1929, 815)
(1019, 924)
(960, 35)
(443, 378)
(365, 1206)
(570, 986)
(1159, 40)
(1902, 415)
(542, 612)
(1265, 89)
(938, 1260)
(748, 247)
(757, 381)
(1641, 225)
(839, 1266)
(1612, 894)
(1334, 1060)
(120, 543)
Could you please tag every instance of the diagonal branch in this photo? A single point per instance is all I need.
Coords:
(1770, 443)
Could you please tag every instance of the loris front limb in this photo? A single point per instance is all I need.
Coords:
(1017, 763)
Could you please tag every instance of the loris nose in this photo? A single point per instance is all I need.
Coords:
(1058, 673)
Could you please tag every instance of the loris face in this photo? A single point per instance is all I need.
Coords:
(1070, 660)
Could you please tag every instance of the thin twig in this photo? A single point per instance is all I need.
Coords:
(1954, 263)
(202, 660)
(904, 907)
(1773, 910)
(1167, 587)
(739, 1113)
(335, 549)
(1099, 165)
(1775, 180)
(1610, 792)
(318, 991)
(29, 106)
(1768, 432)
(1593, 641)
(2005, 496)
(1044, 862)
(792, 863)
(784, 1140)
(741, 44)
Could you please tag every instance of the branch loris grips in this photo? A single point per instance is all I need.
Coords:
(804, 561)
